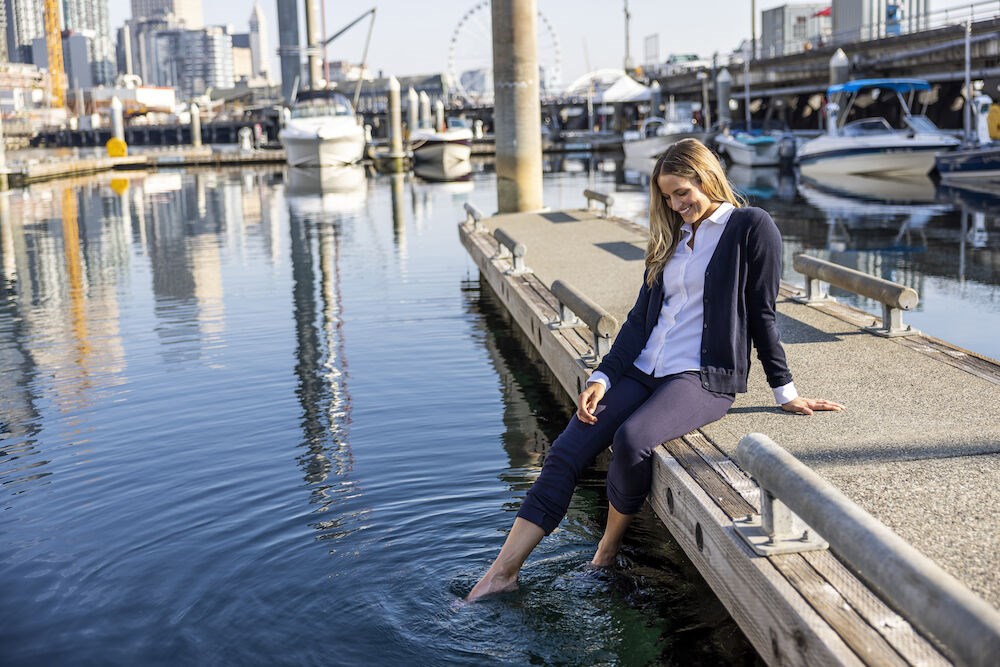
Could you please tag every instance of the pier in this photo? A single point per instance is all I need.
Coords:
(918, 448)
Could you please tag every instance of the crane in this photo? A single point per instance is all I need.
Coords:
(53, 46)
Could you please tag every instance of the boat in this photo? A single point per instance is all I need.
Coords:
(655, 134)
(447, 147)
(755, 148)
(313, 191)
(322, 131)
(980, 161)
(871, 145)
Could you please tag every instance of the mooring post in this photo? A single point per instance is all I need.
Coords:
(195, 125)
(3, 158)
(425, 109)
(395, 157)
(723, 90)
(412, 111)
(517, 108)
(439, 116)
(117, 119)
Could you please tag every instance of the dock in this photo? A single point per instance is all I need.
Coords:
(24, 172)
(918, 448)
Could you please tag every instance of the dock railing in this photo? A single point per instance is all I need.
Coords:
(576, 309)
(508, 246)
(895, 298)
(473, 216)
(601, 198)
(965, 626)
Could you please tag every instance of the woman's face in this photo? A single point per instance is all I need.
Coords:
(686, 197)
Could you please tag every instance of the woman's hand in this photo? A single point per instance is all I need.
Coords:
(587, 403)
(806, 406)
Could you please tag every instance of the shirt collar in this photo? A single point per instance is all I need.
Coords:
(720, 216)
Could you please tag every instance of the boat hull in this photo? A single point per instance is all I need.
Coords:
(317, 152)
(972, 164)
(443, 152)
(911, 158)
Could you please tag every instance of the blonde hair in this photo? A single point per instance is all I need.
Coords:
(690, 159)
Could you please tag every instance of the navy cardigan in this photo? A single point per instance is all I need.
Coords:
(741, 286)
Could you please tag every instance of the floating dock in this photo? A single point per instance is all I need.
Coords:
(918, 449)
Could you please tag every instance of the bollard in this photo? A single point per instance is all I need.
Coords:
(439, 116)
(395, 126)
(723, 90)
(195, 125)
(245, 139)
(412, 111)
(425, 110)
(117, 119)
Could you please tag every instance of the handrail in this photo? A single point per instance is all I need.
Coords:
(965, 625)
(600, 197)
(507, 245)
(473, 215)
(894, 297)
(573, 304)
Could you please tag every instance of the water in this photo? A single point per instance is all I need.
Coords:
(247, 423)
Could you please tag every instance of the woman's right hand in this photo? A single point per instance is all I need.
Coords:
(587, 403)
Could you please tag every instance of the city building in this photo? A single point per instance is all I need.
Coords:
(3, 32)
(90, 18)
(76, 58)
(25, 21)
(187, 12)
(794, 28)
(242, 57)
(260, 50)
(192, 61)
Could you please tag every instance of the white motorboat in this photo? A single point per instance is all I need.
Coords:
(872, 145)
(446, 147)
(755, 149)
(655, 134)
(322, 131)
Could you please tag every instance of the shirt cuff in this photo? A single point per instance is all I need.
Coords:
(785, 393)
(598, 376)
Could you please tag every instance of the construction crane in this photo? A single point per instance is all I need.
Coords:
(53, 45)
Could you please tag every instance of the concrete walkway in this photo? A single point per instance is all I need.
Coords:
(919, 447)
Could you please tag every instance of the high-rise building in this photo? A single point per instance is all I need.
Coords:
(90, 18)
(187, 12)
(192, 61)
(25, 22)
(3, 32)
(260, 51)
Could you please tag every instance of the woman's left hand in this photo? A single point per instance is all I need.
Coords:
(806, 406)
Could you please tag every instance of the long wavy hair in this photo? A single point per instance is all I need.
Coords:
(690, 159)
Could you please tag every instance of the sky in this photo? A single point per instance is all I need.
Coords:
(415, 36)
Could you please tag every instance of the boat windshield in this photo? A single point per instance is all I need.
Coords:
(338, 105)
(922, 125)
(867, 126)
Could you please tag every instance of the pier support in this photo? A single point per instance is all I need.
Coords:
(723, 91)
(517, 108)
(117, 119)
(425, 109)
(195, 125)
(394, 160)
(412, 111)
(3, 158)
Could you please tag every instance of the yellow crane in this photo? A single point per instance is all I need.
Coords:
(53, 45)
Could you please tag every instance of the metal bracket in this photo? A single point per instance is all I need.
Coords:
(814, 293)
(777, 530)
(892, 324)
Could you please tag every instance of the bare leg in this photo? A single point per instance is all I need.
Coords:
(608, 547)
(502, 575)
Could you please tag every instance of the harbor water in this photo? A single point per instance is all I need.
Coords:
(273, 417)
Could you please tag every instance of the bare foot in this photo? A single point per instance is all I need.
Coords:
(605, 555)
(492, 583)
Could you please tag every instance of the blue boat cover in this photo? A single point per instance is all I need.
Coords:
(898, 85)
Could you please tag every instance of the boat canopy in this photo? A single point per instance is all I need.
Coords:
(897, 85)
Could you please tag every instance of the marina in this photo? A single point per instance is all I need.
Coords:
(285, 340)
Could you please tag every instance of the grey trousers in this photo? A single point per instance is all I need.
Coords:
(639, 413)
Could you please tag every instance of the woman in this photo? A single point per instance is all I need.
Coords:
(713, 267)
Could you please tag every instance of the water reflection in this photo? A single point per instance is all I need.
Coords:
(316, 225)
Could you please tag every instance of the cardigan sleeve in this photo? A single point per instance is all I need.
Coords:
(630, 340)
(763, 279)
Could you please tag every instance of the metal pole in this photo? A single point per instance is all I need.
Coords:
(753, 28)
(967, 107)
(3, 159)
(313, 39)
(288, 47)
(517, 106)
(628, 51)
(746, 89)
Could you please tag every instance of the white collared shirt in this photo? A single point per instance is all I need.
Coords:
(674, 345)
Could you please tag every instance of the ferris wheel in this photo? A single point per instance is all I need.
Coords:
(470, 56)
